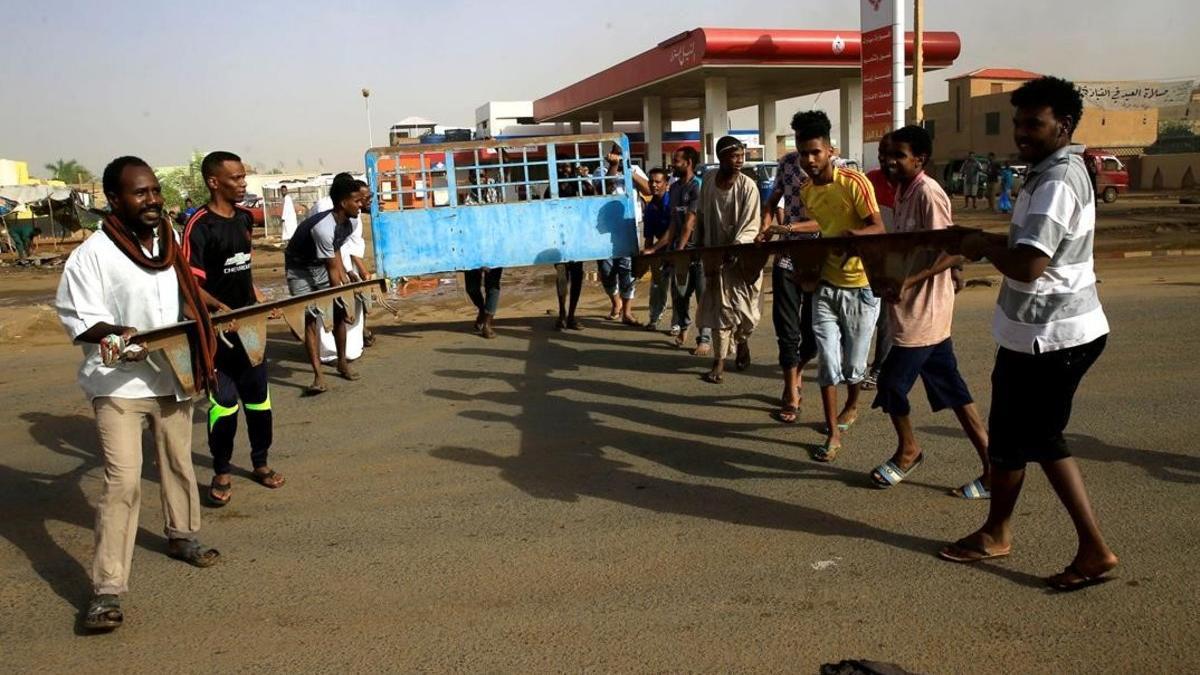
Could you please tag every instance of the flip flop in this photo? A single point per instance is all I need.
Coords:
(845, 426)
(350, 375)
(889, 474)
(1082, 582)
(214, 487)
(962, 551)
(972, 490)
(712, 378)
(271, 479)
(315, 390)
(632, 322)
(787, 413)
(827, 453)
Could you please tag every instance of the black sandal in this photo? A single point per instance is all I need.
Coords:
(190, 551)
(104, 613)
(268, 479)
(214, 487)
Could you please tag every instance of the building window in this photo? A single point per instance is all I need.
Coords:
(931, 127)
(991, 123)
(997, 88)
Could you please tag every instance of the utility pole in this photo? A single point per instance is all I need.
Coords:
(919, 62)
(366, 93)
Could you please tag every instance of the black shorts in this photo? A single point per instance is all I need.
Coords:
(1031, 403)
(938, 369)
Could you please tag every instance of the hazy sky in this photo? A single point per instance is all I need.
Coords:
(279, 83)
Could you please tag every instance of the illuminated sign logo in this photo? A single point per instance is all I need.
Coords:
(839, 45)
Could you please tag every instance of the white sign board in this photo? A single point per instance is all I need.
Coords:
(1135, 95)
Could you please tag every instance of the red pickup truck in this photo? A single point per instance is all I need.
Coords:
(1109, 175)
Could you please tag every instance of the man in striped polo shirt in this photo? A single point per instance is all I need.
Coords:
(1050, 328)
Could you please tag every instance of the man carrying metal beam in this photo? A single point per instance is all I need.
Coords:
(728, 213)
(216, 243)
(130, 277)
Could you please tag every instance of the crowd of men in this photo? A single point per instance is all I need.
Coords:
(137, 274)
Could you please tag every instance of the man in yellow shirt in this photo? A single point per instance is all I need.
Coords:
(840, 202)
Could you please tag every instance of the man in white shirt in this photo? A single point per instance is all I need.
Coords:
(130, 276)
(287, 214)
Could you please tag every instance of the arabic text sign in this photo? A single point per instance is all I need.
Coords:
(1135, 95)
(876, 68)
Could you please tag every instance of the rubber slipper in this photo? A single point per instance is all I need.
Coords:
(889, 474)
(1082, 580)
(312, 390)
(214, 487)
(973, 490)
(827, 452)
(787, 413)
(712, 378)
(271, 479)
(963, 551)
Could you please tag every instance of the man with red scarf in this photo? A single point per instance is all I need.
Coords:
(129, 277)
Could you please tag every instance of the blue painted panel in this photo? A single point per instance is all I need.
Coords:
(417, 241)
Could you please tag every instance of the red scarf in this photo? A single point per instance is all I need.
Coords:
(204, 342)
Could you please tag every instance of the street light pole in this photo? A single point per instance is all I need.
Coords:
(366, 93)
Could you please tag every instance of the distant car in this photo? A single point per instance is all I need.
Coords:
(254, 204)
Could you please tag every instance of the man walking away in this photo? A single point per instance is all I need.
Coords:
(970, 174)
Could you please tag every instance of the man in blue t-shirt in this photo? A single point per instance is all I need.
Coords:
(656, 221)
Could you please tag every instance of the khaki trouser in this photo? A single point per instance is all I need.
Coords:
(119, 421)
(730, 306)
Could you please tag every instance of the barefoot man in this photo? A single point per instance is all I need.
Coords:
(313, 262)
(1051, 329)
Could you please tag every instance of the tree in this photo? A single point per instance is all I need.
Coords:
(69, 171)
(184, 182)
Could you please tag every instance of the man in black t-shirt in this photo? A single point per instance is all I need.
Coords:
(216, 242)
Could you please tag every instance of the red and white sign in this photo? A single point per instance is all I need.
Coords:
(877, 16)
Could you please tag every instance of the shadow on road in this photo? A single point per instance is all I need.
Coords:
(31, 500)
(562, 449)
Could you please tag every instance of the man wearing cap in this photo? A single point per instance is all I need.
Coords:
(728, 213)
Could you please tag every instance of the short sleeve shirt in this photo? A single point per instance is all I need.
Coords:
(219, 251)
(923, 315)
(317, 239)
(839, 206)
(1056, 214)
(684, 198)
(656, 218)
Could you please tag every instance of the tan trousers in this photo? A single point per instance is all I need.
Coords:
(731, 307)
(119, 422)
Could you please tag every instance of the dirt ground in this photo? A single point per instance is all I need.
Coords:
(582, 501)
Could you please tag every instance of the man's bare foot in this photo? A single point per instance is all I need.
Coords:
(977, 546)
(629, 320)
(317, 387)
(847, 418)
(703, 349)
(347, 373)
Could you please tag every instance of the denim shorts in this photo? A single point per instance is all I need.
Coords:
(843, 323)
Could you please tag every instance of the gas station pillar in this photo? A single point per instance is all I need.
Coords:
(652, 130)
(850, 142)
(716, 115)
(766, 128)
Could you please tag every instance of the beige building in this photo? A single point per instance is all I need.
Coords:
(978, 118)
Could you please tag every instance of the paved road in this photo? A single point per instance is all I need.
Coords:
(583, 501)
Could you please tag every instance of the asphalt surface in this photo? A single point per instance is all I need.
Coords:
(582, 501)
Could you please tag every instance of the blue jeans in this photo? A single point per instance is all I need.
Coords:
(681, 298)
(484, 288)
(616, 275)
(843, 322)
